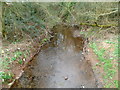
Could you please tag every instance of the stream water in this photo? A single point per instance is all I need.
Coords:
(59, 64)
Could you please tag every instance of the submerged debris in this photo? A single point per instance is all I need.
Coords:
(66, 78)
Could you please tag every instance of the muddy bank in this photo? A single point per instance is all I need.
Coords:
(106, 39)
(28, 48)
(60, 64)
(91, 57)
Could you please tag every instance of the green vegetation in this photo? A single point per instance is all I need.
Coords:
(107, 41)
(13, 58)
(20, 61)
(8, 60)
(29, 21)
(5, 76)
(96, 25)
(106, 63)
(17, 23)
(18, 54)
(116, 83)
(44, 40)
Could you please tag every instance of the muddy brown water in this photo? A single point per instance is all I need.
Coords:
(59, 64)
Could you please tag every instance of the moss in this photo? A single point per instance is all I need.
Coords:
(96, 25)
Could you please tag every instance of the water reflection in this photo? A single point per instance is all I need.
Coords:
(57, 61)
(65, 38)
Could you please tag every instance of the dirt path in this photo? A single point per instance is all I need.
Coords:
(60, 64)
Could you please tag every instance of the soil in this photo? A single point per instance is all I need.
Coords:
(110, 34)
(92, 58)
(65, 62)
(33, 46)
(60, 64)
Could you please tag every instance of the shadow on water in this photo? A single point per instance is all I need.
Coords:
(60, 64)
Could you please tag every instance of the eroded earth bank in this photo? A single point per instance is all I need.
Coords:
(60, 63)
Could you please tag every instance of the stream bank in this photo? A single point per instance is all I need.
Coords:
(59, 64)
(67, 41)
(17, 56)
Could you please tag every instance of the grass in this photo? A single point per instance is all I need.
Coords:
(106, 63)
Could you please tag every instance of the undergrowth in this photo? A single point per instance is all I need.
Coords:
(107, 63)
(6, 76)
(34, 19)
(9, 59)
